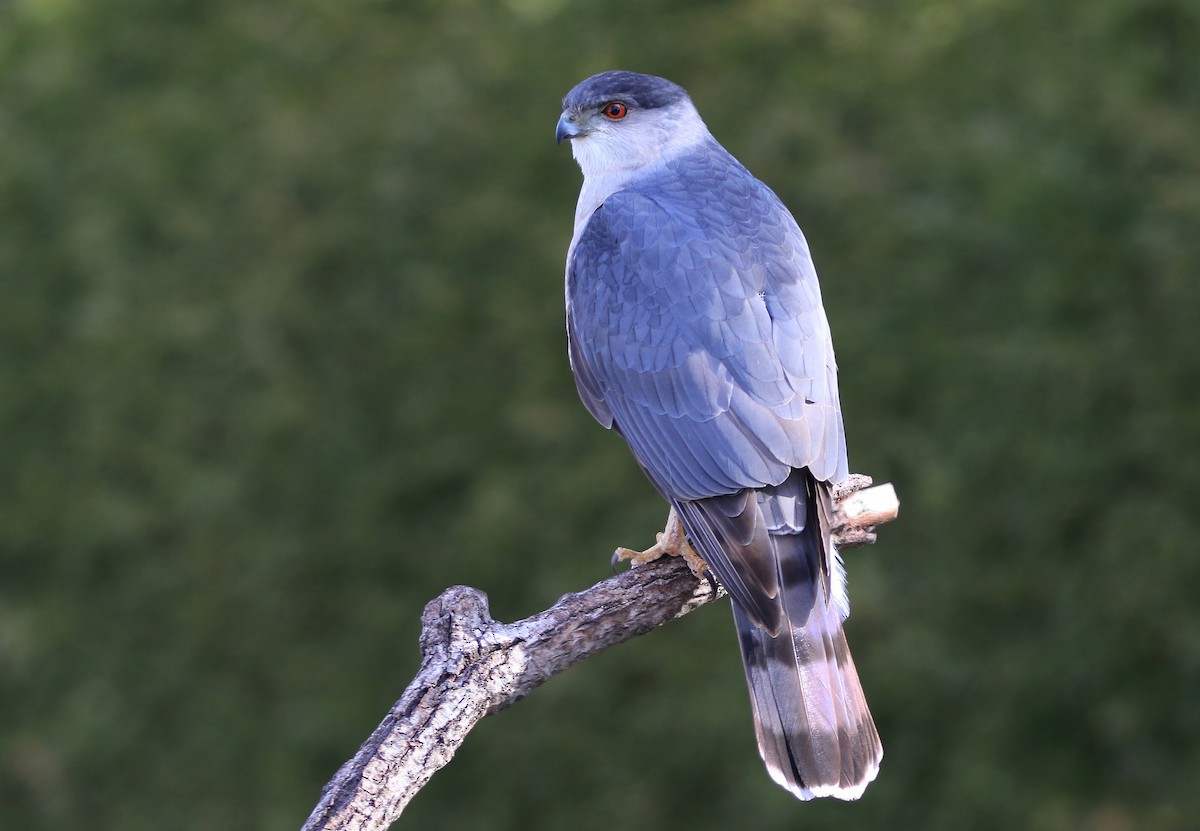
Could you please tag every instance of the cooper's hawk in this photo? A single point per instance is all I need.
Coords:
(696, 331)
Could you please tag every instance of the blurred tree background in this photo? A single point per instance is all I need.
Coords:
(282, 356)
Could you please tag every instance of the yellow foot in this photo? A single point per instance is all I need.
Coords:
(671, 541)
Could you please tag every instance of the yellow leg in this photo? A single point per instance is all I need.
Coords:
(672, 542)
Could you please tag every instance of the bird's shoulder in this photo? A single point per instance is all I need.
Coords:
(704, 183)
(704, 202)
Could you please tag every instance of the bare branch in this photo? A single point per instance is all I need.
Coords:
(860, 508)
(473, 666)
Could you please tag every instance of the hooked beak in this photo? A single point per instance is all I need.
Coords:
(566, 129)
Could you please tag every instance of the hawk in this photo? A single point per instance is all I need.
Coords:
(696, 332)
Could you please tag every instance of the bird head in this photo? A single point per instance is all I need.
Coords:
(622, 121)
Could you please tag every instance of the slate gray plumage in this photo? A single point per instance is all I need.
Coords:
(696, 331)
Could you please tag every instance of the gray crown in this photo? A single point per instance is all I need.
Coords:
(645, 92)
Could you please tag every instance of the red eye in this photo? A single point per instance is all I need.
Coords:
(615, 110)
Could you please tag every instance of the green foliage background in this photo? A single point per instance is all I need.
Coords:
(281, 357)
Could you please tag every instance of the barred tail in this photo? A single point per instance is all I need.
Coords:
(814, 730)
(770, 549)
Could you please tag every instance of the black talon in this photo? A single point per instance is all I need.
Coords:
(616, 558)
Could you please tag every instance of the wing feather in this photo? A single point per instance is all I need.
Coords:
(691, 331)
